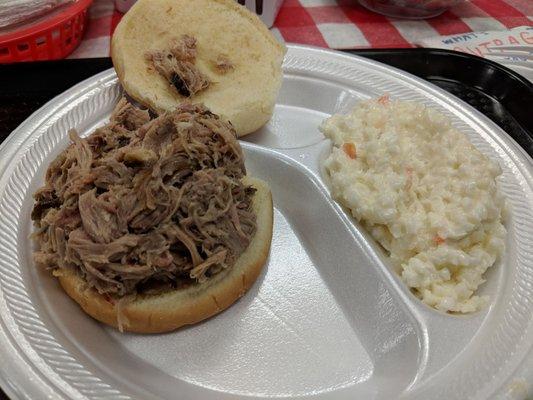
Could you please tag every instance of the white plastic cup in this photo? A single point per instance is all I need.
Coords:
(124, 5)
(270, 8)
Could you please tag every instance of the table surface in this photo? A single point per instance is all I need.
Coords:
(343, 24)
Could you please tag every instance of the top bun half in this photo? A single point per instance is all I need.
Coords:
(245, 94)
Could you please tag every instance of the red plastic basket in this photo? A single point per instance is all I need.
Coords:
(50, 38)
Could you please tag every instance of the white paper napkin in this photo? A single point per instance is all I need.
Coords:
(483, 43)
(16, 11)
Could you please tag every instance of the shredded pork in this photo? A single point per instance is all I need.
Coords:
(177, 66)
(144, 205)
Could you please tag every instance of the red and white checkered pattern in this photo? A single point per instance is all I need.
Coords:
(343, 24)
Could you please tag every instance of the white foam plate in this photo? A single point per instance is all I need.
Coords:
(327, 318)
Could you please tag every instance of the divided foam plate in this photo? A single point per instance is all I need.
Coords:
(326, 318)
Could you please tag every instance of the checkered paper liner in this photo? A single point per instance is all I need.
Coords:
(343, 24)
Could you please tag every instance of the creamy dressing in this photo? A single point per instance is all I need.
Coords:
(424, 192)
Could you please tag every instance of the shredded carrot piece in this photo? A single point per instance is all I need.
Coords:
(438, 240)
(349, 149)
(384, 100)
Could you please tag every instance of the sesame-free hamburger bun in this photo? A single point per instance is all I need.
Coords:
(235, 52)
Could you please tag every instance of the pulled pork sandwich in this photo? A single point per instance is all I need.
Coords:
(151, 223)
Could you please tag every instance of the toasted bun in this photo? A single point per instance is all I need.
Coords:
(173, 309)
(245, 95)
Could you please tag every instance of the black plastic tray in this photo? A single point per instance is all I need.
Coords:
(499, 93)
